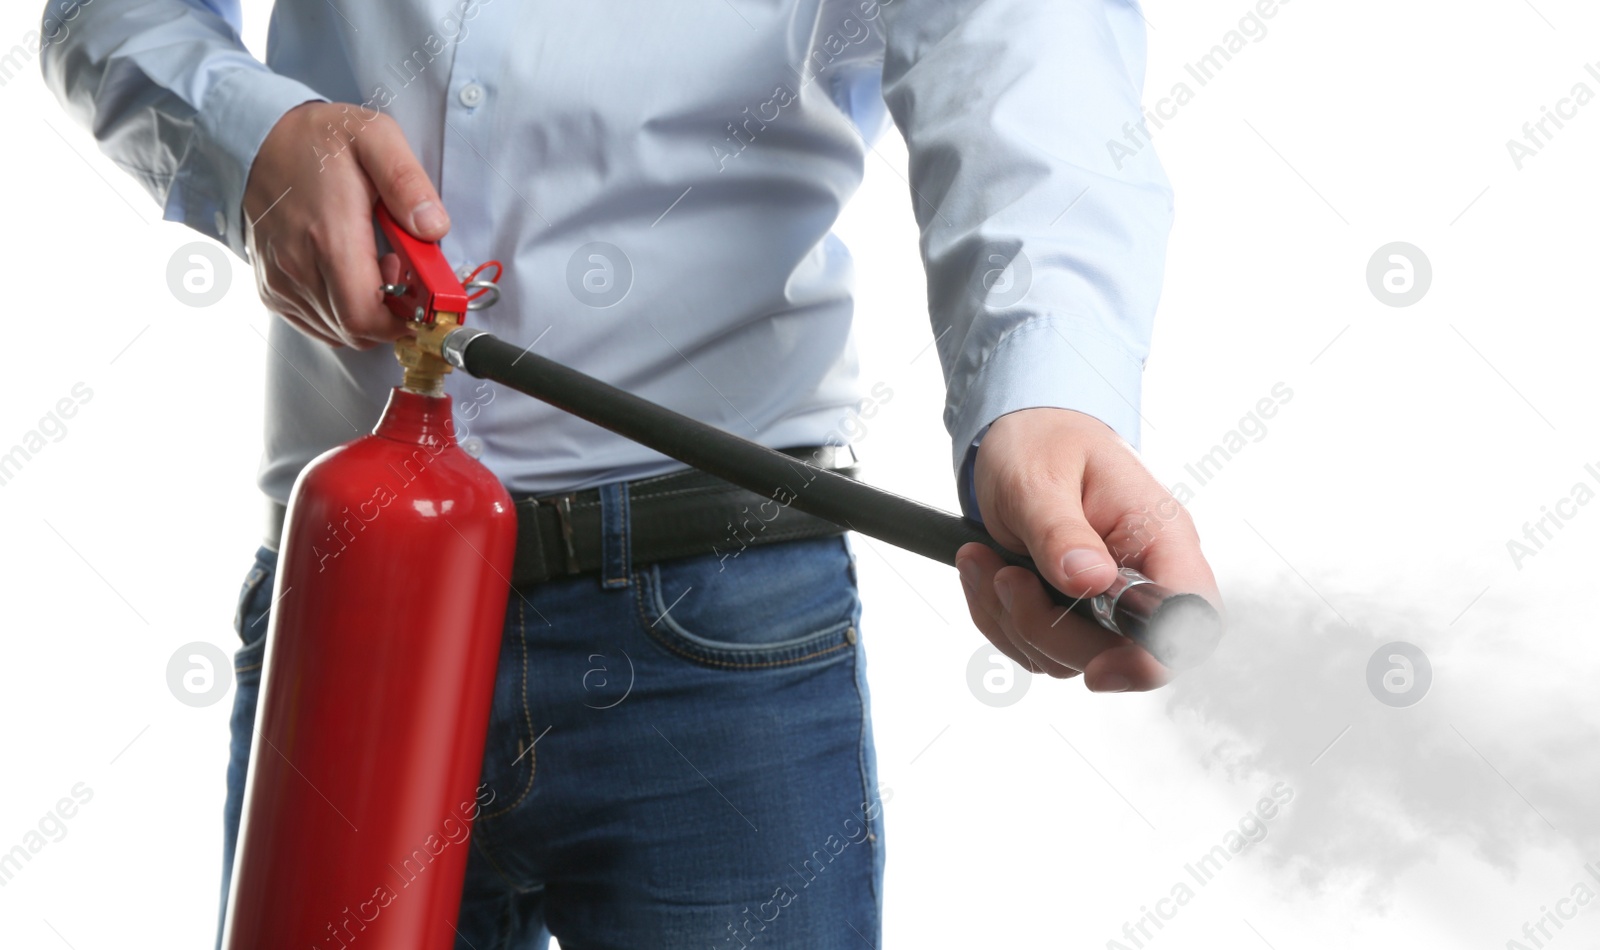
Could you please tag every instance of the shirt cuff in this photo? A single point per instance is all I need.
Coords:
(965, 489)
(1050, 362)
(238, 113)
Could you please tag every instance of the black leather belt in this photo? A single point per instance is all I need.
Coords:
(681, 514)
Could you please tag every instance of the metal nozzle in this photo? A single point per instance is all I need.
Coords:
(1181, 630)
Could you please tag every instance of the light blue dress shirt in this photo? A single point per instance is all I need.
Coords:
(661, 179)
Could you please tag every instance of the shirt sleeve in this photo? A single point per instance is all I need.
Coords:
(1042, 208)
(172, 96)
(966, 491)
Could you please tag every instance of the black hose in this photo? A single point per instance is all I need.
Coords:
(1180, 630)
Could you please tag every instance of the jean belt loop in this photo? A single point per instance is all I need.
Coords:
(617, 551)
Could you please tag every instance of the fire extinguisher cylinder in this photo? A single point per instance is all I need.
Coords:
(382, 647)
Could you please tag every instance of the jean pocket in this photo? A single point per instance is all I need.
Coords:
(251, 616)
(779, 604)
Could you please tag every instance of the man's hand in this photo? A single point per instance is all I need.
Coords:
(308, 208)
(1062, 487)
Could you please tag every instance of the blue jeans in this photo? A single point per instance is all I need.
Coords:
(683, 759)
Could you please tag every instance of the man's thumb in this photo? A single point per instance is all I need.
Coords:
(1070, 555)
(402, 185)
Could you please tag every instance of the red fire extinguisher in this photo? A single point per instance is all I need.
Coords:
(381, 654)
(391, 591)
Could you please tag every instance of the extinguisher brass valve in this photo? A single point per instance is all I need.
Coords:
(432, 300)
(425, 368)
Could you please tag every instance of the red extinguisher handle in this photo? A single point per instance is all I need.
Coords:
(426, 285)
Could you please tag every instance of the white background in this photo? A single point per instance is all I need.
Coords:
(1376, 508)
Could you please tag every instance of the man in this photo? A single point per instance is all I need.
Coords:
(660, 180)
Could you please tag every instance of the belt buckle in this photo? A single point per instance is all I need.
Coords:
(563, 509)
(835, 457)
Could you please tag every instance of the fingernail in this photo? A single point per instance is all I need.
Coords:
(1112, 683)
(428, 217)
(1080, 561)
(1003, 591)
(968, 569)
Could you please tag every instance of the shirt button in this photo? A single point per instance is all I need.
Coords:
(473, 446)
(471, 94)
(221, 221)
